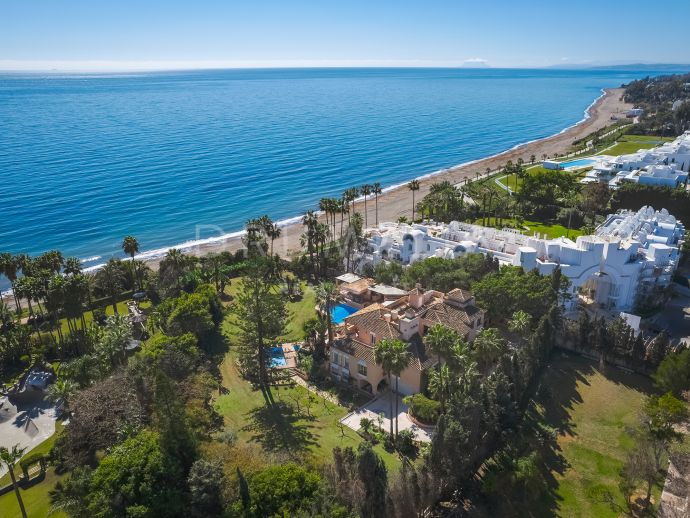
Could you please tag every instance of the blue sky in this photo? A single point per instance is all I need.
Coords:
(175, 33)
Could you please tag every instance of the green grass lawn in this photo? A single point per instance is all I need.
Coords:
(529, 227)
(645, 138)
(590, 410)
(624, 148)
(36, 499)
(308, 436)
(305, 436)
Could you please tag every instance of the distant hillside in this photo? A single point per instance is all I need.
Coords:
(657, 67)
(666, 104)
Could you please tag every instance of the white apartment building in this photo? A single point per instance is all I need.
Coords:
(630, 253)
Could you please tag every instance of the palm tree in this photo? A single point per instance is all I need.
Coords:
(520, 322)
(327, 297)
(413, 186)
(488, 347)
(72, 266)
(273, 232)
(61, 391)
(130, 246)
(366, 191)
(9, 266)
(110, 280)
(9, 458)
(351, 195)
(376, 190)
(532, 159)
(383, 356)
(400, 359)
(440, 339)
(441, 384)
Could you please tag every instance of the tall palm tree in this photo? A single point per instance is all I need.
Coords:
(383, 356)
(61, 391)
(111, 280)
(72, 266)
(366, 191)
(376, 190)
(400, 359)
(327, 297)
(441, 384)
(130, 246)
(273, 232)
(520, 322)
(413, 186)
(9, 267)
(351, 195)
(488, 347)
(9, 458)
(441, 339)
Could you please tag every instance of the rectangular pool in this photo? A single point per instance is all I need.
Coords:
(582, 162)
(341, 312)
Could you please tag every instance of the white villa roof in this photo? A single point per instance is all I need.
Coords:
(383, 289)
(348, 278)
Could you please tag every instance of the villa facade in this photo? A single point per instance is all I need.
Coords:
(630, 254)
(352, 355)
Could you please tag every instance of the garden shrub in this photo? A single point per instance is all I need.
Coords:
(423, 408)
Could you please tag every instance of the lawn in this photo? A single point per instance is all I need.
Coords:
(624, 148)
(650, 139)
(36, 499)
(590, 411)
(552, 231)
(308, 435)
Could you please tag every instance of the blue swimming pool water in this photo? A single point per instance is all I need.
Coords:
(341, 312)
(582, 162)
(278, 358)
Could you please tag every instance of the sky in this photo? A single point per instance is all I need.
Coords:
(165, 34)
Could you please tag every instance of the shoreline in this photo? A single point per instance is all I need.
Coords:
(395, 200)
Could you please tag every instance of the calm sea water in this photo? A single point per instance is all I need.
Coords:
(173, 157)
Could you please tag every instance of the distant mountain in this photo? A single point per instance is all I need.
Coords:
(671, 67)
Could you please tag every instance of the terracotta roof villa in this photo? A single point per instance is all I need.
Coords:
(359, 291)
(407, 318)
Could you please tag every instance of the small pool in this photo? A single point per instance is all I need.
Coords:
(278, 357)
(341, 312)
(582, 162)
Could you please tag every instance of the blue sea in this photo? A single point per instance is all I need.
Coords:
(172, 157)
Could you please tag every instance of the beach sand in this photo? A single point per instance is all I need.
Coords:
(397, 202)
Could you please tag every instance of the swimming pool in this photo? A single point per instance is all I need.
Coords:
(278, 356)
(582, 162)
(341, 312)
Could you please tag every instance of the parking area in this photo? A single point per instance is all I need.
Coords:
(381, 407)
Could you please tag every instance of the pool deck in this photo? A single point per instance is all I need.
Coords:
(290, 355)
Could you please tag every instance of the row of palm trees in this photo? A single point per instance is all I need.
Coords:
(332, 207)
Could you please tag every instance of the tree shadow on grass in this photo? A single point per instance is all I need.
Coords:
(278, 428)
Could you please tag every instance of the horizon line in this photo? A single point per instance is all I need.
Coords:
(122, 66)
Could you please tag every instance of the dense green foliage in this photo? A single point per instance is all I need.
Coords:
(657, 95)
(422, 408)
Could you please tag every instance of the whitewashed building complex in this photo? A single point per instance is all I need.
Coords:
(667, 165)
(629, 253)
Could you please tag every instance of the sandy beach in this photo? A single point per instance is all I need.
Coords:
(398, 202)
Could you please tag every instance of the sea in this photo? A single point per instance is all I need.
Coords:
(178, 157)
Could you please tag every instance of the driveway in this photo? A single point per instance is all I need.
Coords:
(26, 424)
(381, 406)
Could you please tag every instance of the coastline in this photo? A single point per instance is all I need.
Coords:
(395, 200)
